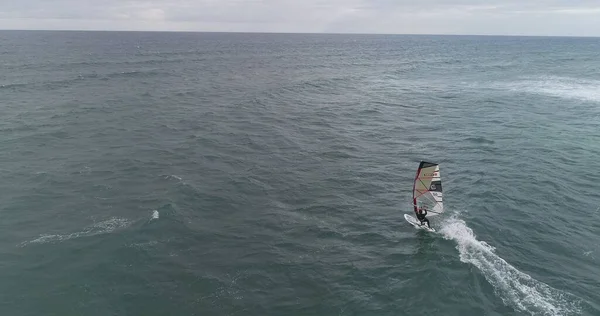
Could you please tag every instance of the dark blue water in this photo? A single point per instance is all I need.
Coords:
(265, 174)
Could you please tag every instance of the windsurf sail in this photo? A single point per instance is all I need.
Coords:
(427, 188)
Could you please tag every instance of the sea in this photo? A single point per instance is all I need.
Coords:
(149, 173)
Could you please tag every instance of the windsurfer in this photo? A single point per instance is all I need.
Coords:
(421, 213)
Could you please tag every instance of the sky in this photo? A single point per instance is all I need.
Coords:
(483, 17)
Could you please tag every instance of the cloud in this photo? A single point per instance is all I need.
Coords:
(541, 17)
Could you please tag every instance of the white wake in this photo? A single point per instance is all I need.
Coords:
(104, 227)
(514, 287)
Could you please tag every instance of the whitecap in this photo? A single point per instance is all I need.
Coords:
(172, 176)
(561, 87)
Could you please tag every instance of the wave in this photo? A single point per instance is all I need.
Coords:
(480, 140)
(171, 177)
(144, 245)
(562, 87)
(104, 227)
(133, 73)
(153, 60)
(55, 84)
(12, 85)
(515, 288)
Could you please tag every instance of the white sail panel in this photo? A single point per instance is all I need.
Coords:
(427, 188)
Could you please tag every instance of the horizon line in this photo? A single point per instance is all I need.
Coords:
(293, 33)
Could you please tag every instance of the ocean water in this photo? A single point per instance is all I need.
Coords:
(268, 174)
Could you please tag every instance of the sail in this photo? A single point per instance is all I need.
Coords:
(427, 188)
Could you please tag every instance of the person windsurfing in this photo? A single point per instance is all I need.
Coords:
(421, 213)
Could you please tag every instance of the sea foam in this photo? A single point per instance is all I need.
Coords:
(104, 227)
(517, 289)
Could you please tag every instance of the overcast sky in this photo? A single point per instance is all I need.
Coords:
(510, 17)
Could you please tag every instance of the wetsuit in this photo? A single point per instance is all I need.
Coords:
(421, 213)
